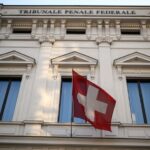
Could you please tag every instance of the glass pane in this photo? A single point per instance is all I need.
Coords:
(135, 102)
(3, 88)
(66, 103)
(11, 101)
(145, 87)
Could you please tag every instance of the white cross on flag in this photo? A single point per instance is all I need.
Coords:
(92, 103)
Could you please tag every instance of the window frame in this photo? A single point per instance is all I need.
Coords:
(20, 31)
(126, 69)
(139, 81)
(10, 79)
(76, 31)
(69, 78)
(11, 68)
(130, 31)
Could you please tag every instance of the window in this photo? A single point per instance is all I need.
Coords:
(65, 111)
(75, 31)
(130, 31)
(9, 89)
(22, 30)
(139, 96)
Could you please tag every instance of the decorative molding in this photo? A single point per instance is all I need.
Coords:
(22, 25)
(76, 24)
(144, 29)
(130, 25)
(8, 28)
(34, 26)
(133, 59)
(74, 59)
(14, 58)
(52, 27)
(104, 39)
(97, 143)
(118, 33)
(88, 29)
(43, 39)
(63, 29)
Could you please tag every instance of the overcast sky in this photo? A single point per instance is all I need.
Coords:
(76, 2)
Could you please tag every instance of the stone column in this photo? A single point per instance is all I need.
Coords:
(0, 23)
(144, 29)
(105, 63)
(107, 28)
(88, 29)
(8, 28)
(63, 29)
(40, 96)
(52, 27)
(45, 24)
(99, 28)
(34, 25)
(118, 33)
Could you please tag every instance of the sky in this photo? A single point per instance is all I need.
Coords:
(76, 2)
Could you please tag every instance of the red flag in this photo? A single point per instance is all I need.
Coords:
(92, 103)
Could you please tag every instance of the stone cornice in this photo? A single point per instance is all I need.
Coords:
(24, 11)
(76, 141)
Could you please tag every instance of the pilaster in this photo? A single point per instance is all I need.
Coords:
(0, 23)
(106, 75)
(52, 27)
(40, 96)
(118, 33)
(106, 80)
(8, 28)
(45, 24)
(144, 29)
(63, 29)
(107, 28)
(34, 26)
(88, 29)
(99, 28)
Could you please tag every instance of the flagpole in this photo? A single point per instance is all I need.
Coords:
(72, 116)
(72, 110)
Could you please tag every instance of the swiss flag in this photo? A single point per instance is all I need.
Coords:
(92, 103)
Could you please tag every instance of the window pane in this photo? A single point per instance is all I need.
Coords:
(145, 87)
(66, 103)
(3, 88)
(11, 101)
(135, 103)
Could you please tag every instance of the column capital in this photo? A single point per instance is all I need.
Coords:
(45, 21)
(117, 22)
(34, 21)
(52, 21)
(143, 22)
(107, 22)
(88, 22)
(44, 39)
(100, 40)
(63, 21)
(9, 21)
(99, 22)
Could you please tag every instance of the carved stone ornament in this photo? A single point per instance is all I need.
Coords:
(73, 59)
(135, 60)
(43, 39)
(16, 59)
(104, 39)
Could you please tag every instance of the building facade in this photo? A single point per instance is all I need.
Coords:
(39, 47)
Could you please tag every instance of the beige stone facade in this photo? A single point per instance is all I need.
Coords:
(44, 43)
